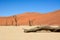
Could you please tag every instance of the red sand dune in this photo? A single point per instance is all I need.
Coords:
(33, 18)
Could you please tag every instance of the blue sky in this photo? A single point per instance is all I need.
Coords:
(13, 7)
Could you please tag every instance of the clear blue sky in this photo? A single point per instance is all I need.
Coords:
(12, 7)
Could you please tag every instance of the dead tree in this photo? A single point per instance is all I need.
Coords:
(15, 19)
(30, 23)
(6, 22)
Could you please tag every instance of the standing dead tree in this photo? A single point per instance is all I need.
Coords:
(6, 21)
(30, 22)
(15, 19)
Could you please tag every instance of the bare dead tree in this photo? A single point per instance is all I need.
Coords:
(15, 20)
(30, 22)
(12, 22)
(6, 21)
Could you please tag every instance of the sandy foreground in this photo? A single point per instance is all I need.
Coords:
(16, 33)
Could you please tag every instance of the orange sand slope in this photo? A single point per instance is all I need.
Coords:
(31, 18)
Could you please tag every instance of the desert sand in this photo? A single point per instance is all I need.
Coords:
(16, 33)
(35, 18)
